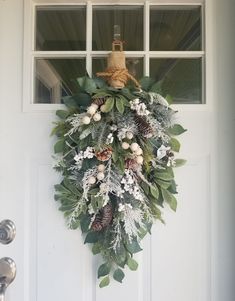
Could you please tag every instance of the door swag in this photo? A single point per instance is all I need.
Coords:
(116, 150)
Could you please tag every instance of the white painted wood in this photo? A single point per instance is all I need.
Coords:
(53, 263)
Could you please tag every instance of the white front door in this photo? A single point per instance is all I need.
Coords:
(52, 261)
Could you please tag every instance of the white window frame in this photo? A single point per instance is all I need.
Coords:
(30, 54)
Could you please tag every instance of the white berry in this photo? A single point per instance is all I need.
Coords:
(101, 167)
(92, 109)
(139, 160)
(103, 186)
(139, 152)
(97, 117)
(103, 108)
(129, 135)
(100, 176)
(125, 145)
(134, 146)
(86, 120)
(92, 180)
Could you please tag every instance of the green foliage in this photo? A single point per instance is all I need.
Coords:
(176, 130)
(104, 269)
(104, 282)
(132, 264)
(82, 203)
(108, 105)
(118, 275)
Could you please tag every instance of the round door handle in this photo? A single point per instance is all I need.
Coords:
(7, 231)
(7, 275)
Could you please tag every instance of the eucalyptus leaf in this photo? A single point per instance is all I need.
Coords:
(118, 275)
(132, 264)
(104, 269)
(104, 282)
(154, 191)
(133, 247)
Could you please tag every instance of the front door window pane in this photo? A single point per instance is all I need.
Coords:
(181, 78)
(56, 78)
(60, 28)
(175, 28)
(130, 20)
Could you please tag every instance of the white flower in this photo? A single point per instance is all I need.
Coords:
(162, 151)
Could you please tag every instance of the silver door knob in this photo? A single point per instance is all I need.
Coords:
(7, 275)
(7, 231)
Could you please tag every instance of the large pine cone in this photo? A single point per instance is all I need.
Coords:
(103, 218)
(143, 126)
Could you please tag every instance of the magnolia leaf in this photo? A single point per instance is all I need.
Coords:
(169, 99)
(95, 249)
(104, 282)
(156, 87)
(170, 199)
(176, 130)
(92, 237)
(180, 162)
(69, 102)
(132, 264)
(120, 105)
(104, 270)
(163, 184)
(146, 83)
(154, 191)
(124, 101)
(59, 146)
(145, 187)
(62, 114)
(118, 275)
(108, 105)
(85, 221)
(175, 145)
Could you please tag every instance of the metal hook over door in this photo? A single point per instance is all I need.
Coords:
(7, 275)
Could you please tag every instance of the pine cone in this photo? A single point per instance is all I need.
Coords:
(99, 101)
(103, 218)
(143, 126)
(104, 154)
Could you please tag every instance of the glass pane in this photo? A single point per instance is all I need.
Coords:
(134, 65)
(130, 20)
(175, 28)
(60, 28)
(56, 78)
(181, 78)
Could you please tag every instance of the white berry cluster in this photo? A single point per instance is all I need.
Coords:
(139, 107)
(136, 151)
(87, 154)
(110, 138)
(129, 185)
(91, 114)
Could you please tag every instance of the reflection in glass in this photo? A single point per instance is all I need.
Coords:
(181, 78)
(60, 28)
(56, 78)
(134, 66)
(176, 28)
(130, 20)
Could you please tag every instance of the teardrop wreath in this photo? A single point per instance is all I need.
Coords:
(116, 152)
